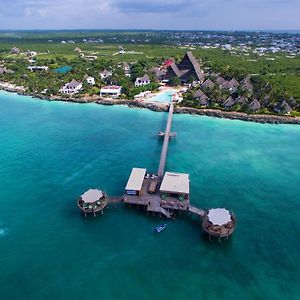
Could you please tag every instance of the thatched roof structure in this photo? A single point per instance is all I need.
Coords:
(188, 67)
(242, 100)
(220, 80)
(283, 107)
(229, 102)
(207, 84)
(254, 105)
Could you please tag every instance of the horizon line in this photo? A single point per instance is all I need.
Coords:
(149, 29)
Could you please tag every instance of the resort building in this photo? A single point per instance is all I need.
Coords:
(91, 57)
(207, 84)
(90, 80)
(112, 91)
(229, 103)
(135, 182)
(126, 69)
(4, 70)
(254, 105)
(30, 54)
(72, 87)
(220, 81)
(186, 69)
(142, 81)
(175, 185)
(15, 50)
(283, 108)
(38, 68)
(241, 100)
(105, 74)
(92, 201)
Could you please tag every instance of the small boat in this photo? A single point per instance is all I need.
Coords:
(160, 228)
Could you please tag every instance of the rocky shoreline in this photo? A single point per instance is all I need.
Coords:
(271, 119)
(161, 107)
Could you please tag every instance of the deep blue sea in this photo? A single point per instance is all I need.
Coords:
(51, 152)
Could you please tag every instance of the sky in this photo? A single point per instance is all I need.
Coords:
(151, 14)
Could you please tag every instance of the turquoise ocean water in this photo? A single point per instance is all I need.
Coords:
(53, 152)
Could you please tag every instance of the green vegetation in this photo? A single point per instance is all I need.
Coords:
(280, 73)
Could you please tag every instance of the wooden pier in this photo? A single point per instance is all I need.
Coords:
(164, 193)
(164, 151)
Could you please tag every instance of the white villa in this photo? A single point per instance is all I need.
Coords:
(91, 57)
(90, 80)
(38, 68)
(105, 74)
(111, 91)
(142, 81)
(72, 87)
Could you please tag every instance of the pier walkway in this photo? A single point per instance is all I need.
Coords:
(197, 211)
(164, 151)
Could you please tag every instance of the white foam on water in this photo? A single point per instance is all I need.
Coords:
(3, 232)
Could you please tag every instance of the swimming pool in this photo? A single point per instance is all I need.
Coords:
(164, 97)
(63, 70)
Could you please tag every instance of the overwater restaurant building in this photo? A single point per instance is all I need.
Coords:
(175, 185)
(135, 182)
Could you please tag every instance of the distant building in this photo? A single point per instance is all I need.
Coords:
(112, 91)
(241, 100)
(105, 74)
(186, 69)
(15, 50)
(234, 83)
(247, 86)
(158, 73)
(78, 50)
(207, 84)
(229, 103)
(37, 68)
(4, 70)
(220, 81)
(283, 108)
(126, 69)
(31, 54)
(254, 105)
(90, 57)
(72, 87)
(142, 81)
(90, 80)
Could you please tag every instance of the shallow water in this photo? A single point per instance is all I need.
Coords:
(51, 152)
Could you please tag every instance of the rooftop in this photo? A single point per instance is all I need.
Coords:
(219, 216)
(92, 195)
(175, 183)
(136, 179)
